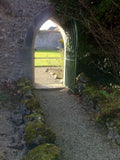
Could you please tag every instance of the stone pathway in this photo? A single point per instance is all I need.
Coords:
(45, 80)
(78, 136)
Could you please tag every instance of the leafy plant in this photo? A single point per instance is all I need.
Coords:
(107, 99)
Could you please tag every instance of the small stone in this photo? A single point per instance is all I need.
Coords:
(13, 140)
(17, 119)
(118, 139)
(61, 81)
(1, 38)
(51, 73)
(46, 70)
(55, 76)
(112, 133)
(3, 30)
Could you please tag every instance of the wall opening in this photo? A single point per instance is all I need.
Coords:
(69, 35)
(49, 53)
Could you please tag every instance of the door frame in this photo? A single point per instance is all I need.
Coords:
(33, 29)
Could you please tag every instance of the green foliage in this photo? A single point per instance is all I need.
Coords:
(31, 104)
(43, 152)
(34, 116)
(26, 89)
(24, 82)
(99, 36)
(36, 132)
(61, 41)
(107, 99)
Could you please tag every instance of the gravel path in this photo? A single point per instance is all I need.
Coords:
(78, 136)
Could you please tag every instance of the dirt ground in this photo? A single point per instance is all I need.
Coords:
(10, 124)
(45, 80)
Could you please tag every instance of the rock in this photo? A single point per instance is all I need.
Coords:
(31, 104)
(19, 147)
(61, 81)
(112, 133)
(51, 73)
(20, 133)
(29, 95)
(13, 139)
(1, 38)
(118, 139)
(109, 124)
(46, 70)
(45, 151)
(33, 116)
(55, 76)
(3, 30)
(17, 119)
(36, 133)
(81, 87)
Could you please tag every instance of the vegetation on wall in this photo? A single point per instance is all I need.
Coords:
(99, 35)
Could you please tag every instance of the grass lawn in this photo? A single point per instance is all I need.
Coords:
(47, 58)
(47, 54)
(47, 62)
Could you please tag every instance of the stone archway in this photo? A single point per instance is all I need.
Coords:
(39, 20)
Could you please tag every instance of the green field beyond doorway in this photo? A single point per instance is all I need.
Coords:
(48, 58)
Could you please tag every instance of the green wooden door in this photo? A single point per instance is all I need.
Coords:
(71, 55)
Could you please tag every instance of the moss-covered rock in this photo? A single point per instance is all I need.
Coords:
(20, 84)
(36, 132)
(29, 95)
(43, 152)
(38, 111)
(34, 116)
(31, 104)
(23, 82)
(26, 89)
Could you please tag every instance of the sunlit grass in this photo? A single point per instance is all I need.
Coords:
(47, 54)
(47, 58)
(47, 62)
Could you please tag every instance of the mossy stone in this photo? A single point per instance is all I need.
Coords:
(20, 84)
(32, 103)
(34, 116)
(26, 89)
(29, 95)
(43, 152)
(26, 81)
(38, 111)
(36, 132)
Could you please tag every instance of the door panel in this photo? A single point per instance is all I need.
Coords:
(71, 55)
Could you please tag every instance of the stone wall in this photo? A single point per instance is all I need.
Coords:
(48, 40)
(16, 17)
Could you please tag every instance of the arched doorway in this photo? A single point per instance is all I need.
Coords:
(69, 35)
(49, 56)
